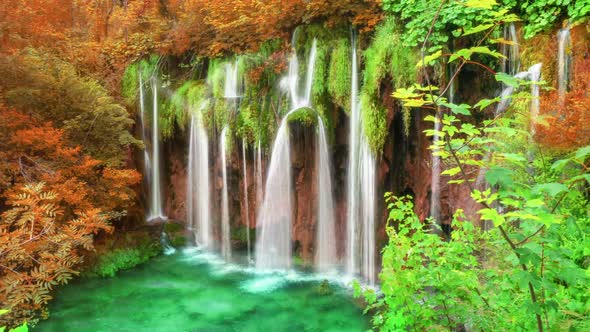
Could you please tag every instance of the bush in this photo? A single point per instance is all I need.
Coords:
(123, 259)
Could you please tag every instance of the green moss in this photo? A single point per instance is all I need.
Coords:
(122, 259)
(384, 58)
(374, 121)
(339, 78)
(216, 77)
(130, 84)
(304, 115)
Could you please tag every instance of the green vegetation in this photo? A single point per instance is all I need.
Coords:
(78, 105)
(457, 16)
(21, 328)
(122, 259)
(539, 16)
(339, 79)
(385, 57)
(529, 270)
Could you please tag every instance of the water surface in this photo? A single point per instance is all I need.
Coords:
(192, 291)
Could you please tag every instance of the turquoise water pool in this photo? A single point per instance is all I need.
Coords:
(193, 291)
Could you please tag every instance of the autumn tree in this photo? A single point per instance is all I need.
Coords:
(40, 249)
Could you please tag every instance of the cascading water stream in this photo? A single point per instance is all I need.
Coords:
(510, 64)
(259, 182)
(298, 99)
(246, 205)
(325, 257)
(231, 85)
(360, 254)
(225, 228)
(156, 211)
(198, 192)
(146, 155)
(563, 62)
(273, 235)
(273, 227)
(535, 76)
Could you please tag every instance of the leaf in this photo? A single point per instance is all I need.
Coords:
(552, 189)
(429, 59)
(479, 28)
(493, 216)
(485, 4)
(22, 328)
(458, 109)
(507, 79)
(499, 176)
(451, 172)
(583, 152)
(502, 41)
(485, 103)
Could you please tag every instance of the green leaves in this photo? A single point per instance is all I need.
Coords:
(552, 189)
(462, 109)
(508, 80)
(467, 53)
(497, 175)
(429, 59)
(484, 4)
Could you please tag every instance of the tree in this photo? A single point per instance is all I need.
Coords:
(40, 249)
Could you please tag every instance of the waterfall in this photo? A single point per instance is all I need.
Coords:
(225, 231)
(563, 62)
(506, 94)
(246, 205)
(273, 227)
(155, 192)
(325, 256)
(435, 171)
(535, 76)
(360, 255)
(511, 63)
(146, 156)
(258, 163)
(299, 100)
(231, 85)
(273, 234)
(197, 195)
(532, 74)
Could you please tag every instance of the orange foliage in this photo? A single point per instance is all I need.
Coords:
(40, 249)
(103, 36)
(33, 152)
(568, 120)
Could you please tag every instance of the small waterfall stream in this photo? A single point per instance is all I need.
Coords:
(273, 227)
(259, 182)
(511, 63)
(535, 76)
(156, 210)
(360, 254)
(325, 256)
(563, 62)
(144, 138)
(246, 204)
(273, 240)
(198, 192)
(231, 84)
(225, 227)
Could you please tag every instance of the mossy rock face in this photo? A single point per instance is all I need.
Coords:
(384, 59)
(304, 115)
